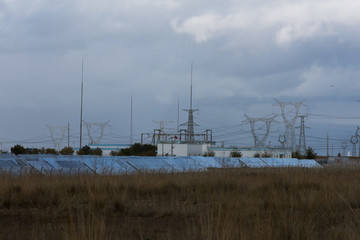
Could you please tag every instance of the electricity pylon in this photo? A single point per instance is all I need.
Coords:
(344, 146)
(358, 136)
(57, 130)
(302, 140)
(290, 122)
(354, 140)
(190, 123)
(282, 140)
(260, 142)
(99, 130)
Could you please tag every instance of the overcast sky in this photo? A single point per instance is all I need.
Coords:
(245, 54)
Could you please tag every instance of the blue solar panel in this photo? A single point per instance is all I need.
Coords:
(4, 164)
(149, 164)
(309, 163)
(228, 162)
(105, 165)
(253, 162)
(41, 166)
(280, 162)
(73, 164)
(178, 164)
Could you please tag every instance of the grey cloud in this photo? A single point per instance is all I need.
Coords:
(243, 56)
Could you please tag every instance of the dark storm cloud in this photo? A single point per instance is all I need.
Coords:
(245, 54)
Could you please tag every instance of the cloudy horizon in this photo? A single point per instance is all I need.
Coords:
(245, 54)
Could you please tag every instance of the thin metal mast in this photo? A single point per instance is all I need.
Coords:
(327, 144)
(191, 86)
(191, 116)
(131, 121)
(190, 123)
(178, 116)
(82, 95)
(68, 134)
(302, 140)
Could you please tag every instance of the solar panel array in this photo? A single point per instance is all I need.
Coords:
(57, 164)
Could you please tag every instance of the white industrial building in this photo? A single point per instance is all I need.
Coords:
(182, 149)
(202, 149)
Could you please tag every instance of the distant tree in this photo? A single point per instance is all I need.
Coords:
(310, 153)
(257, 155)
(236, 154)
(114, 153)
(209, 153)
(67, 151)
(96, 151)
(42, 150)
(265, 155)
(137, 149)
(51, 151)
(18, 149)
(297, 155)
(33, 151)
(85, 150)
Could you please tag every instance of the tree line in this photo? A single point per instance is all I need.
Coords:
(136, 149)
(86, 150)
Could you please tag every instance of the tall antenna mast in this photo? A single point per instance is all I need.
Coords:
(131, 121)
(190, 123)
(191, 86)
(178, 116)
(82, 95)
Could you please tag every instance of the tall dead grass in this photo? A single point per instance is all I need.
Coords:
(218, 204)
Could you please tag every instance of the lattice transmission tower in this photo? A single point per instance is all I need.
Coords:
(290, 121)
(358, 136)
(99, 130)
(57, 134)
(354, 140)
(282, 140)
(344, 147)
(259, 142)
(302, 139)
(190, 123)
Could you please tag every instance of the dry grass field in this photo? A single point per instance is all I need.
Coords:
(218, 204)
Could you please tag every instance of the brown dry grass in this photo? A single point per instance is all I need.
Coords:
(219, 204)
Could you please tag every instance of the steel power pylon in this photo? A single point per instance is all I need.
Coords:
(260, 141)
(190, 123)
(290, 122)
(57, 140)
(358, 136)
(282, 140)
(100, 126)
(302, 140)
(344, 146)
(354, 140)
